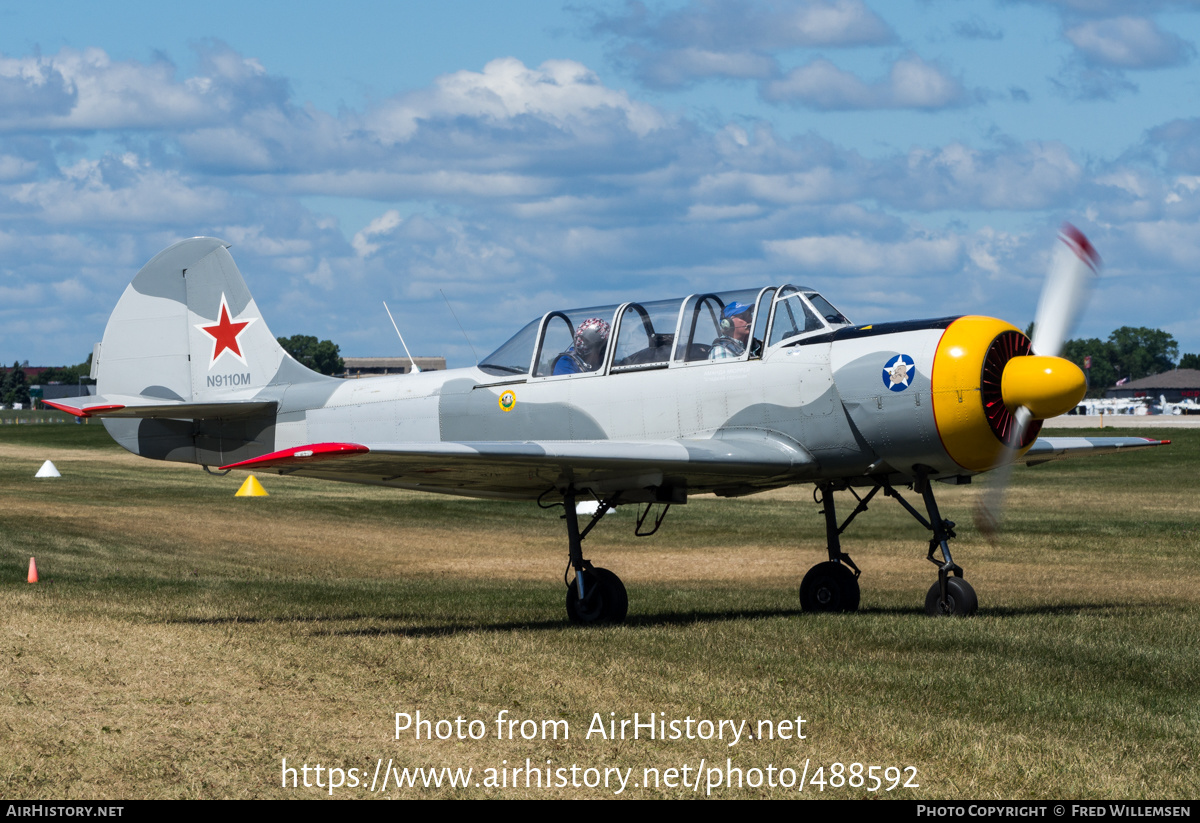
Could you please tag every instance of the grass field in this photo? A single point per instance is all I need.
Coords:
(182, 642)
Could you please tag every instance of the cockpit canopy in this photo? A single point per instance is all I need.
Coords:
(699, 329)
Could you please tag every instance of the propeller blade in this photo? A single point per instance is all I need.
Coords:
(989, 510)
(1039, 385)
(1068, 286)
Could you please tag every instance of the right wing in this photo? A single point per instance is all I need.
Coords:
(1056, 448)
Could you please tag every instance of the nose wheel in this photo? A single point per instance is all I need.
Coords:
(960, 599)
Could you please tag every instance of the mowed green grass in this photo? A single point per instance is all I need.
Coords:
(182, 642)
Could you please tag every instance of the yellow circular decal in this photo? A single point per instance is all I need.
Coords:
(507, 401)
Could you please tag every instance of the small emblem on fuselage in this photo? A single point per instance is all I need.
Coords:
(508, 401)
(898, 373)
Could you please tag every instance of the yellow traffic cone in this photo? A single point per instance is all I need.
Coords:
(251, 488)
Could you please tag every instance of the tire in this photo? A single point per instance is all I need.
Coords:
(960, 599)
(829, 587)
(606, 601)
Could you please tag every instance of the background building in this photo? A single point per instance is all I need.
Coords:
(370, 366)
(1175, 386)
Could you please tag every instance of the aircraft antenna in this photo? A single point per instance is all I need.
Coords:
(460, 326)
(416, 368)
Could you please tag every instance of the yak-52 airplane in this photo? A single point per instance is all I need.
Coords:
(646, 403)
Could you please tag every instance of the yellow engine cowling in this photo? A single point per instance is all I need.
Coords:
(982, 372)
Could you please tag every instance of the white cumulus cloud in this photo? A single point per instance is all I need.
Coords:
(846, 254)
(120, 190)
(562, 93)
(86, 89)
(735, 40)
(912, 83)
(730, 25)
(383, 225)
(1128, 43)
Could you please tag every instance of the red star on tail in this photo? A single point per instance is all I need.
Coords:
(225, 334)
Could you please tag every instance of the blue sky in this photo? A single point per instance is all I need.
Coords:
(909, 159)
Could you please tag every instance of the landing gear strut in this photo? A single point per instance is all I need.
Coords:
(950, 596)
(594, 596)
(833, 586)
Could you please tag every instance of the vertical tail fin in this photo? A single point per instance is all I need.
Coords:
(188, 369)
(187, 329)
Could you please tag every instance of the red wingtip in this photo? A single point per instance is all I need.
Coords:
(300, 454)
(1078, 243)
(85, 412)
(67, 409)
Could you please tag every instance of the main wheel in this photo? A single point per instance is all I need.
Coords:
(960, 599)
(829, 587)
(605, 599)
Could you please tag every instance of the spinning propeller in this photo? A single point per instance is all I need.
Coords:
(1041, 384)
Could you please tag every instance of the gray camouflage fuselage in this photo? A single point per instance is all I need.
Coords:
(188, 371)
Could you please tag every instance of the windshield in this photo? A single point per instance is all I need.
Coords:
(793, 318)
(826, 309)
(514, 356)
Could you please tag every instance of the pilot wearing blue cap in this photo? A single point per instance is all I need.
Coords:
(735, 332)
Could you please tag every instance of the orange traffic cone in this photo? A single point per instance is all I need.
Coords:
(32, 571)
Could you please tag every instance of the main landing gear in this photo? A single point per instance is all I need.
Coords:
(832, 586)
(604, 599)
(597, 596)
(594, 596)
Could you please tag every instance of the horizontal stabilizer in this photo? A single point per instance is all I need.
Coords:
(1056, 448)
(142, 407)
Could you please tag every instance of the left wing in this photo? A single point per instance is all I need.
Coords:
(526, 469)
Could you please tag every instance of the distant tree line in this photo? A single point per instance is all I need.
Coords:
(1129, 352)
(321, 356)
(15, 382)
(14, 388)
(68, 374)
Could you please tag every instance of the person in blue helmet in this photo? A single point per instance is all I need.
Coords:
(736, 322)
(587, 352)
